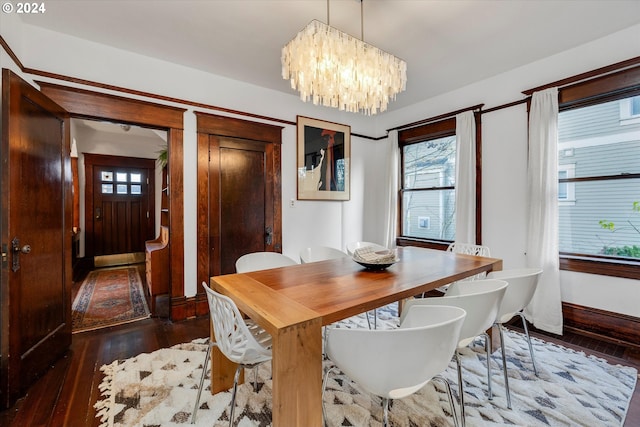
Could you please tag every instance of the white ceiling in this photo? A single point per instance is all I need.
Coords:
(447, 43)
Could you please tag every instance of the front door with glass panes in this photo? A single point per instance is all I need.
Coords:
(122, 214)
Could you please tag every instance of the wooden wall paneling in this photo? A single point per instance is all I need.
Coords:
(605, 325)
(202, 214)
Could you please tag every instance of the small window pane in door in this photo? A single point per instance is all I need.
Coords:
(107, 188)
(107, 176)
(121, 177)
(122, 189)
(136, 177)
(136, 189)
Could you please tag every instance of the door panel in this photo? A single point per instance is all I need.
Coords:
(243, 200)
(36, 220)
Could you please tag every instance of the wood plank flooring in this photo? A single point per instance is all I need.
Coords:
(66, 394)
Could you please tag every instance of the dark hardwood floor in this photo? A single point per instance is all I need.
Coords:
(66, 394)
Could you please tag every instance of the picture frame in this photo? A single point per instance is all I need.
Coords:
(323, 160)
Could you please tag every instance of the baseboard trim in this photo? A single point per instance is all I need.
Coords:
(605, 325)
(183, 308)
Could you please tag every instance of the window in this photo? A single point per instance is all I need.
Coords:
(427, 201)
(428, 196)
(125, 183)
(599, 175)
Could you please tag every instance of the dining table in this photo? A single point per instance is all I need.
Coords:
(293, 304)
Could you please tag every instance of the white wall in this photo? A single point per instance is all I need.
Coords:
(336, 223)
(504, 155)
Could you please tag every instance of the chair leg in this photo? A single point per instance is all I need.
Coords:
(504, 367)
(526, 331)
(204, 374)
(324, 388)
(255, 379)
(447, 386)
(487, 348)
(460, 388)
(385, 411)
(236, 377)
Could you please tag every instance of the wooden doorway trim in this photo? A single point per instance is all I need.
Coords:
(94, 105)
(211, 124)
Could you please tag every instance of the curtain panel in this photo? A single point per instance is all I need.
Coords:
(545, 309)
(466, 178)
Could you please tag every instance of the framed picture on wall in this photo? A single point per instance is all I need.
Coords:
(324, 155)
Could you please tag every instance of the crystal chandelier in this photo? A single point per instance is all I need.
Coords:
(334, 69)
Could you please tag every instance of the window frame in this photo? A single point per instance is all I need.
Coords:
(426, 132)
(616, 85)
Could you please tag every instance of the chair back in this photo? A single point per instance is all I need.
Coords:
(470, 249)
(320, 253)
(398, 362)
(262, 261)
(481, 300)
(232, 335)
(351, 247)
(522, 285)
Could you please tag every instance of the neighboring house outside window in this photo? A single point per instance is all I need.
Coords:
(428, 196)
(599, 178)
(428, 189)
(601, 155)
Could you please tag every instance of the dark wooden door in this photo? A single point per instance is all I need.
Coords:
(245, 202)
(120, 214)
(239, 193)
(36, 223)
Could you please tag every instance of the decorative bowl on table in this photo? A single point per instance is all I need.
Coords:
(373, 258)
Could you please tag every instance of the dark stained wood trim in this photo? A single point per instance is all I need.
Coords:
(605, 325)
(629, 63)
(436, 118)
(84, 103)
(228, 126)
(600, 266)
(87, 104)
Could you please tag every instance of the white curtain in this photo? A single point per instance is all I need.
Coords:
(545, 310)
(390, 206)
(466, 178)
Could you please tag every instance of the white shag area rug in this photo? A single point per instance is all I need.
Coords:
(160, 388)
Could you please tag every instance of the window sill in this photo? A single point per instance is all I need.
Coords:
(601, 266)
(422, 243)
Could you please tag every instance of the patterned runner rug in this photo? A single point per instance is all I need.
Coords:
(160, 388)
(109, 297)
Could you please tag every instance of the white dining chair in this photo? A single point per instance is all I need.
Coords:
(522, 286)
(470, 249)
(262, 261)
(320, 253)
(241, 341)
(481, 300)
(466, 249)
(395, 363)
(351, 247)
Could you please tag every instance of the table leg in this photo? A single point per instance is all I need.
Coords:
(297, 375)
(222, 372)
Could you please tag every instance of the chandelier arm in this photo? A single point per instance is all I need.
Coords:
(328, 15)
(362, 20)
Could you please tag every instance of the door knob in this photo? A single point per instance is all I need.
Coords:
(17, 250)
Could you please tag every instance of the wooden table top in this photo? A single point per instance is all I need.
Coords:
(340, 288)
